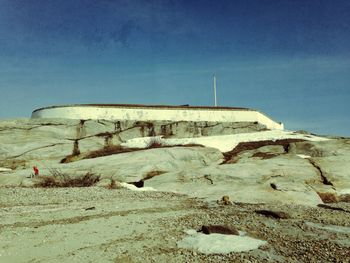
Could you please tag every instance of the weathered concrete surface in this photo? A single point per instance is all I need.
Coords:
(157, 113)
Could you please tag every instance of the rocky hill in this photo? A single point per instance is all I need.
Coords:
(213, 164)
(243, 160)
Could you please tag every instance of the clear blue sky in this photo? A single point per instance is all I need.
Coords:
(289, 59)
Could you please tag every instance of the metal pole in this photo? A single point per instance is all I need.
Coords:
(215, 102)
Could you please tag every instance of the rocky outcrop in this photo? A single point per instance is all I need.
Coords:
(132, 166)
(286, 176)
(283, 179)
(280, 170)
(45, 142)
(331, 159)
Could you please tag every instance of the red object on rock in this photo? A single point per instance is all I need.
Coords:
(36, 170)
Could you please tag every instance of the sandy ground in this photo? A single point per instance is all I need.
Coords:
(101, 225)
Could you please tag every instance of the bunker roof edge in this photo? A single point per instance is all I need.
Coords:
(155, 106)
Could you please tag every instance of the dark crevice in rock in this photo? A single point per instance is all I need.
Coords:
(35, 149)
(35, 127)
(75, 153)
(286, 148)
(108, 141)
(167, 129)
(273, 214)
(80, 133)
(129, 128)
(208, 178)
(324, 179)
(149, 175)
(152, 174)
(101, 134)
(102, 123)
(138, 184)
(145, 126)
(210, 126)
(273, 186)
(219, 229)
(117, 126)
(76, 150)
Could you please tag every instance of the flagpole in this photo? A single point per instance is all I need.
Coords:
(215, 101)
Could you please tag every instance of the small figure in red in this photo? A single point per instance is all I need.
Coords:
(36, 170)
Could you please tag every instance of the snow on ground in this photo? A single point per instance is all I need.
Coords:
(304, 156)
(134, 188)
(344, 191)
(2, 169)
(218, 243)
(224, 143)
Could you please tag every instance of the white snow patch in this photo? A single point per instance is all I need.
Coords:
(143, 142)
(304, 156)
(223, 142)
(2, 169)
(344, 191)
(190, 231)
(218, 243)
(134, 188)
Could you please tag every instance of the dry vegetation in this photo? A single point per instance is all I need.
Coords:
(152, 174)
(113, 185)
(246, 146)
(328, 197)
(59, 179)
(333, 197)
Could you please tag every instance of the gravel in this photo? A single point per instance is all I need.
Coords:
(128, 226)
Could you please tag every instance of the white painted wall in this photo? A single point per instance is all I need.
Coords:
(154, 114)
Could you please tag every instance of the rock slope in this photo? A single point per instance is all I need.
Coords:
(285, 194)
(249, 165)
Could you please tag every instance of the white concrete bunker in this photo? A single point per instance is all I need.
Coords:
(156, 113)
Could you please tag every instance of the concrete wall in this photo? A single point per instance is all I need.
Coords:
(156, 113)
